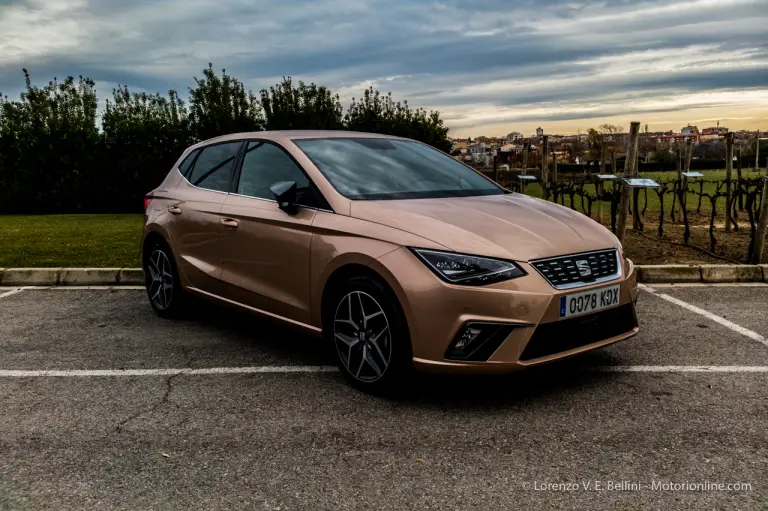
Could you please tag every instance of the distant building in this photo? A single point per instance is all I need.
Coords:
(512, 137)
(481, 153)
(460, 143)
(689, 130)
(715, 130)
(511, 148)
(539, 132)
(713, 133)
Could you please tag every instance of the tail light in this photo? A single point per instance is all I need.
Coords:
(147, 200)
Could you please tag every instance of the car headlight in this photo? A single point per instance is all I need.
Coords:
(468, 270)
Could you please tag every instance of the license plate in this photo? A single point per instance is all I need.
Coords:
(588, 301)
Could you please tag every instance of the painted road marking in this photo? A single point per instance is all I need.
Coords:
(714, 317)
(13, 291)
(678, 369)
(83, 373)
(80, 373)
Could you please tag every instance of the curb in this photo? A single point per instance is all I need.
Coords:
(71, 276)
(646, 274)
(705, 273)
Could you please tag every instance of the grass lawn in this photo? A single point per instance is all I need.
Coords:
(114, 240)
(70, 240)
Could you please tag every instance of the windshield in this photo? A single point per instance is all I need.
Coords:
(378, 168)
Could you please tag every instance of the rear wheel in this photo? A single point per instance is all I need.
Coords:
(369, 334)
(162, 281)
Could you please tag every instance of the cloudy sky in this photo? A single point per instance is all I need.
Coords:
(489, 66)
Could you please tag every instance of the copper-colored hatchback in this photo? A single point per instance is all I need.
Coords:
(398, 254)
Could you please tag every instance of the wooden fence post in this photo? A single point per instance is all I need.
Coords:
(637, 222)
(544, 169)
(739, 176)
(554, 165)
(600, 191)
(762, 226)
(602, 155)
(757, 153)
(688, 154)
(634, 132)
(526, 148)
(728, 178)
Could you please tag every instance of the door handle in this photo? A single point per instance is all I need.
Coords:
(229, 222)
(174, 210)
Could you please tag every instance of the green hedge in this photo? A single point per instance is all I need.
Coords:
(58, 154)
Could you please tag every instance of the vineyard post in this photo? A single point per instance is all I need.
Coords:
(634, 132)
(679, 158)
(738, 174)
(544, 169)
(762, 225)
(600, 191)
(688, 154)
(757, 153)
(526, 148)
(728, 178)
(554, 165)
(602, 154)
(637, 222)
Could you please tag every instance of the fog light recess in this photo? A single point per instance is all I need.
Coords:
(477, 341)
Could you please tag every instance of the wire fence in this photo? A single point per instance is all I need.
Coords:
(600, 200)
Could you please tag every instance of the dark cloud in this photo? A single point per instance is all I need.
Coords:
(446, 53)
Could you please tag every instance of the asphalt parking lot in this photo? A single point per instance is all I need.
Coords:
(684, 402)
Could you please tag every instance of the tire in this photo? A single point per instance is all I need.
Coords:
(368, 333)
(161, 279)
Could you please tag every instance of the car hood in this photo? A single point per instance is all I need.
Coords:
(510, 226)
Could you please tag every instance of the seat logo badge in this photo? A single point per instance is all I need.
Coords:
(583, 267)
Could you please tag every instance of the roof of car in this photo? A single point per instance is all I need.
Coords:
(283, 135)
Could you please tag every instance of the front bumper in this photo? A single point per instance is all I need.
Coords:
(436, 312)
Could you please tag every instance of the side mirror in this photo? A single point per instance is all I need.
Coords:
(285, 194)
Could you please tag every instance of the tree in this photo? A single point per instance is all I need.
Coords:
(49, 146)
(379, 113)
(304, 107)
(220, 105)
(144, 134)
(54, 158)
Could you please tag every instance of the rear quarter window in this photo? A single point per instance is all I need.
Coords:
(213, 167)
(187, 163)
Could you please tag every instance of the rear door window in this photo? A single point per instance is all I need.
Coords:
(213, 168)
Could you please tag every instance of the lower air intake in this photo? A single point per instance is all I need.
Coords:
(551, 338)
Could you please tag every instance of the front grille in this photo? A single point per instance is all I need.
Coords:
(568, 334)
(579, 269)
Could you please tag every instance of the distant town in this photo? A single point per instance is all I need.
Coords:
(609, 142)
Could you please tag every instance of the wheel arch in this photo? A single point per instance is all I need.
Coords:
(152, 238)
(373, 270)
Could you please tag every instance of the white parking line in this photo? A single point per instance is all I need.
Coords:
(83, 373)
(13, 291)
(678, 369)
(714, 317)
(80, 373)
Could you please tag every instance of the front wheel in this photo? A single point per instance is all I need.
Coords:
(162, 281)
(369, 335)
